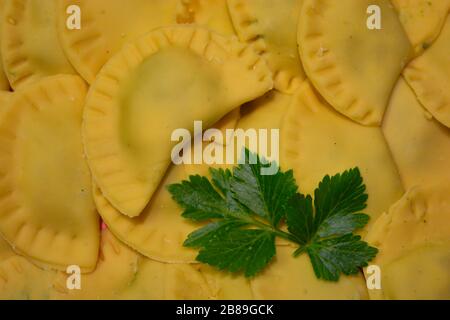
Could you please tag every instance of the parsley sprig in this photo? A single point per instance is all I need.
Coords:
(246, 211)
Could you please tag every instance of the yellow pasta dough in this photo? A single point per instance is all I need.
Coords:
(159, 232)
(46, 207)
(404, 278)
(162, 281)
(86, 161)
(429, 76)
(105, 26)
(4, 83)
(419, 144)
(270, 26)
(265, 113)
(116, 269)
(316, 141)
(353, 67)
(129, 117)
(227, 286)
(289, 278)
(229, 121)
(422, 20)
(413, 239)
(5, 250)
(209, 13)
(21, 280)
(30, 45)
(5, 98)
(121, 273)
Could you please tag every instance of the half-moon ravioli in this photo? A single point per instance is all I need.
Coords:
(46, 207)
(353, 67)
(271, 27)
(318, 141)
(429, 76)
(30, 45)
(115, 270)
(420, 145)
(422, 20)
(165, 81)
(105, 26)
(165, 281)
(289, 278)
(413, 239)
(22, 280)
(159, 232)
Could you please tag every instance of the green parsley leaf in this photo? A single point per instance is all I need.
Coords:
(344, 254)
(245, 208)
(300, 218)
(340, 194)
(241, 236)
(325, 230)
(222, 181)
(265, 195)
(342, 223)
(199, 199)
(202, 237)
(247, 250)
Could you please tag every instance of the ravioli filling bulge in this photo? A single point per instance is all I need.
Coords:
(60, 137)
(143, 126)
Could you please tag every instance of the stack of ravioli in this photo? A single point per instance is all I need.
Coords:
(86, 117)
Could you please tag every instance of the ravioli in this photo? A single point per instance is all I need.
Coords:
(46, 207)
(159, 232)
(30, 45)
(419, 144)
(404, 278)
(106, 25)
(227, 286)
(208, 13)
(354, 68)
(270, 26)
(413, 239)
(266, 112)
(5, 250)
(422, 20)
(5, 98)
(318, 141)
(129, 117)
(116, 269)
(21, 280)
(4, 83)
(228, 122)
(120, 274)
(289, 278)
(429, 76)
(162, 281)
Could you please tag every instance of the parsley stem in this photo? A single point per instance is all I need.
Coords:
(278, 232)
(299, 251)
(285, 235)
